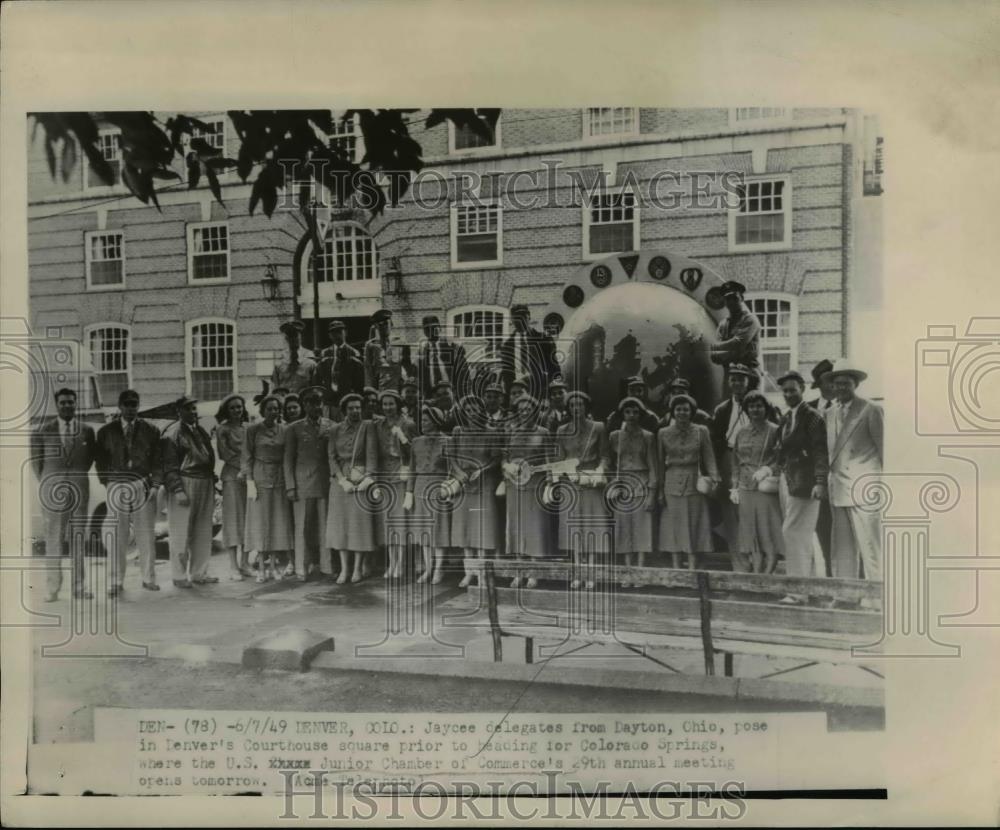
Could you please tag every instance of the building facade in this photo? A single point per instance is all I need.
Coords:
(189, 299)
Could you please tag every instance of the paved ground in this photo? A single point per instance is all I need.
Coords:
(94, 668)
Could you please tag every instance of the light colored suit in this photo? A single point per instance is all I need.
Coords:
(855, 445)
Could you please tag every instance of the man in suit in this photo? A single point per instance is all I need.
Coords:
(189, 476)
(803, 465)
(854, 440)
(307, 480)
(528, 353)
(62, 451)
(440, 359)
(739, 333)
(295, 372)
(384, 366)
(340, 370)
(826, 399)
(128, 460)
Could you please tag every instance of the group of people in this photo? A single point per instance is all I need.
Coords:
(354, 453)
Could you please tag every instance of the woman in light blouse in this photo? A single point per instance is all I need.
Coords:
(430, 513)
(634, 491)
(229, 436)
(393, 434)
(760, 537)
(269, 513)
(685, 451)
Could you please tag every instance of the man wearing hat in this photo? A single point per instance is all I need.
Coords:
(555, 413)
(528, 353)
(826, 399)
(127, 456)
(411, 401)
(518, 390)
(307, 481)
(682, 386)
(802, 463)
(440, 359)
(383, 358)
(295, 372)
(739, 333)
(444, 401)
(854, 441)
(635, 387)
(189, 476)
(340, 370)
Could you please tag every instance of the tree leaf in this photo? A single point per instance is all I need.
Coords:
(68, 157)
(213, 183)
(165, 175)
(134, 183)
(194, 172)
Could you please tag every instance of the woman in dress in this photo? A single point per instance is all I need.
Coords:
(350, 525)
(634, 491)
(430, 512)
(760, 538)
(584, 519)
(474, 464)
(269, 513)
(229, 437)
(685, 451)
(393, 435)
(529, 522)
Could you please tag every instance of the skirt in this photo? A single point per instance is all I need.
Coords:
(475, 514)
(584, 519)
(760, 523)
(386, 498)
(234, 512)
(350, 523)
(269, 521)
(430, 519)
(529, 523)
(685, 525)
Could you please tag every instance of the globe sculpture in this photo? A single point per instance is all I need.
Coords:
(653, 331)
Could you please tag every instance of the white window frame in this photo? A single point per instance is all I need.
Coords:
(471, 151)
(100, 186)
(191, 253)
(485, 263)
(359, 141)
(118, 286)
(793, 325)
(95, 327)
(221, 119)
(588, 126)
(352, 288)
(472, 344)
(636, 240)
(189, 328)
(782, 116)
(786, 198)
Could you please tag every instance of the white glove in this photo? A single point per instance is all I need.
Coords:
(345, 485)
(366, 482)
(762, 473)
(575, 478)
(734, 496)
(252, 490)
(510, 469)
(400, 435)
(547, 495)
(501, 490)
(408, 501)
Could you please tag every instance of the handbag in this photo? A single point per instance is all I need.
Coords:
(705, 485)
(769, 484)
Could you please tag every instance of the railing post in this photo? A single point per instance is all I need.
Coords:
(706, 622)
(489, 579)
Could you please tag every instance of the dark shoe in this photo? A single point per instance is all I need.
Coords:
(83, 595)
(150, 586)
(206, 580)
(115, 590)
(182, 583)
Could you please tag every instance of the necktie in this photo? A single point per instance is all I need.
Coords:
(520, 352)
(839, 417)
(438, 369)
(128, 436)
(67, 437)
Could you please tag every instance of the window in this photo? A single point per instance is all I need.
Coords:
(476, 235)
(215, 135)
(208, 252)
(610, 224)
(743, 115)
(464, 139)
(778, 316)
(109, 144)
(602, 122)
(480, 330)
(211, 359)
(762, 218)
(105, 256)
(344, 138)
(110, 346)
(349, 256)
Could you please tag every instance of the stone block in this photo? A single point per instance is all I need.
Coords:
(288, 649)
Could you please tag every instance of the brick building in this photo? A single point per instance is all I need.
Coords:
(180, 300)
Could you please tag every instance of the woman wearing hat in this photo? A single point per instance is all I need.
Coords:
(634, 486)
(474, 464)
(586, 441)
(685, 451)
(229, 437)
(269, 513)
(529, 522)
(760, 539)
(350, 526)
(430, 512)
(393, 435)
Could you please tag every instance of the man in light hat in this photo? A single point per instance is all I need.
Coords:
(440, 359)
(383, 357)
(739, 333)
(295, 372)
(340, 370)
(189, 476)
(528, 353)
(854, 440)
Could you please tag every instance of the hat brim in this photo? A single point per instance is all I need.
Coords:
(857, 374)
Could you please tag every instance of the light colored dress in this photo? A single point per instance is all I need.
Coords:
(269, 516)
(760, 513)
(633, 455)
(430, 518)
(685, 453)
(391, 456)
(584, 519)
(529, 522)
(475, 519)
(350, 522)
(229, 446)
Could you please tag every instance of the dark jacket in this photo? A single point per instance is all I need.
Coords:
(542, 366)
(338, 378)
(802, 454)
(738, 341)
(115, 460)
(454, 363)
(186, 451)
(48, 456)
